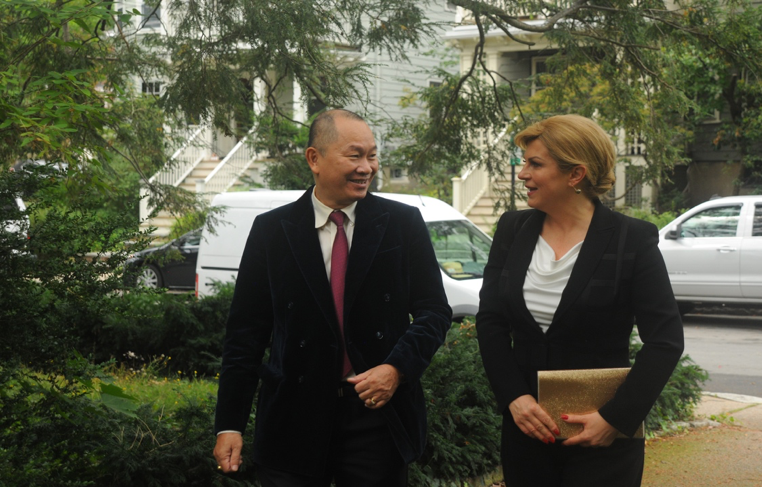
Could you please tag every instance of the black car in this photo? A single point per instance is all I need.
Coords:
(172, 266)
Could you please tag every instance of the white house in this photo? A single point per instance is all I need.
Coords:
(476, 192)
(211, 163)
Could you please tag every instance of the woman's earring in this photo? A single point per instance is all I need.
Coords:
(577, 190)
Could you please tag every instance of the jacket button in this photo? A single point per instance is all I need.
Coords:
(290, 304)
(303, 343)
(379, 335)
(387, 297)
(301, 379)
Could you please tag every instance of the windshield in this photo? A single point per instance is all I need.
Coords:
(461, 248)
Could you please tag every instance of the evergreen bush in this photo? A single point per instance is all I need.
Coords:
(54, 432)
(464, 428)
(680, 395)
(143, 326)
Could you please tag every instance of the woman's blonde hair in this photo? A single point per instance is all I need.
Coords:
(573, 140)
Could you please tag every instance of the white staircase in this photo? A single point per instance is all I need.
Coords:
(488, 201)
(200, 172)
(483, 197)
(197, 168)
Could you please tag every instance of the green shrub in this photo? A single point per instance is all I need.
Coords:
(464, 428)
(658, 219)
(55, 432)
(143, 326)
(680, 396)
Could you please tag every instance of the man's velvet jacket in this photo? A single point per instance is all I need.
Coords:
(283, 302)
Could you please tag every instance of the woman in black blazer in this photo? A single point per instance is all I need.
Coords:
(564, 284)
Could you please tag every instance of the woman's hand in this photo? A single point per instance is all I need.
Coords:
(532, 420)
(597, 431)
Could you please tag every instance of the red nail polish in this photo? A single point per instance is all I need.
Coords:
(557, 431)
(564, 417)
(552, 440)
(545, 440)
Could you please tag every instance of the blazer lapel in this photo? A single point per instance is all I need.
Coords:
(596, 241)
(305, 247)
(371, 223)
(518, 262)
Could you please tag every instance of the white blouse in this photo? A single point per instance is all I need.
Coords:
(546, 279)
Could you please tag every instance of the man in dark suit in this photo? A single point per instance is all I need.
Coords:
(329, 283)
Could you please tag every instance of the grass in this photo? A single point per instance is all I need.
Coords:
(157, 385)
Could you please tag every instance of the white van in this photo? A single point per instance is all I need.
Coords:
(461, 248)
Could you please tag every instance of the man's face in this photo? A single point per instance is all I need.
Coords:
(344, 172)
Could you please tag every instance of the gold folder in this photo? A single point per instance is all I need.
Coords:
(578, 392)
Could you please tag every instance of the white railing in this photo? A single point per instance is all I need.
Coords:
(187, 157)
(227, 172)
(468, 189)
(195, 149)
(466, 16)
(474, 183)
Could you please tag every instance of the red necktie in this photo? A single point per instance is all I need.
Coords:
(339, 256)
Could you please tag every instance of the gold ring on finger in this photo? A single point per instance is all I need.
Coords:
(373, 400)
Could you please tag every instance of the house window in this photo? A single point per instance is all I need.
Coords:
(314, 104)
(609, 199)
(434, 84)
(151, 16)
(539, 66)
(635, 146)
(151, 88)
(398, 173)
(634, 196)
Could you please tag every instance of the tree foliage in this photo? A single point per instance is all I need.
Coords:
(651, 69)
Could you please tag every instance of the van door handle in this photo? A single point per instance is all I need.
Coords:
(726, 249)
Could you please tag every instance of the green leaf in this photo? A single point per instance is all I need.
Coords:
(115, 398)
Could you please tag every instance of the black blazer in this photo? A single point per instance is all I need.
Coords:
(283, 301)
(614, 282)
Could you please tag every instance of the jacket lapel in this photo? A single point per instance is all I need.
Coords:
(596, 241)
(518, 262)
(369, 231)
(305, 247)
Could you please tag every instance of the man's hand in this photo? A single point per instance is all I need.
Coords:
(597, 431)
(228, 451)
(376, 386)
(532, 420)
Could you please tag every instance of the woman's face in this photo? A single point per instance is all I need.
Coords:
(546, 185)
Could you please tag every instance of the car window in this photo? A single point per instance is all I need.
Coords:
(756, 229)
(714, 222)
(461, 249)
(192, 241)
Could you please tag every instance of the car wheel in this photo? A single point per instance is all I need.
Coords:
(149, 277)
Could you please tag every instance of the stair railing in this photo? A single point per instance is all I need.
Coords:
(194, 150)
(474, 182)
(232, 167)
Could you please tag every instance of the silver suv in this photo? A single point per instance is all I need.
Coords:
(714, 252)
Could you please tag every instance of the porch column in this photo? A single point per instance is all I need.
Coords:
(299, 107)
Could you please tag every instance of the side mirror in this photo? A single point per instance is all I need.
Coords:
(674, 233)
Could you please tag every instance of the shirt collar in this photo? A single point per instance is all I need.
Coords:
(322, 212)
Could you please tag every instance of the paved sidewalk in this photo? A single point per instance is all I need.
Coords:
(723, 446)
